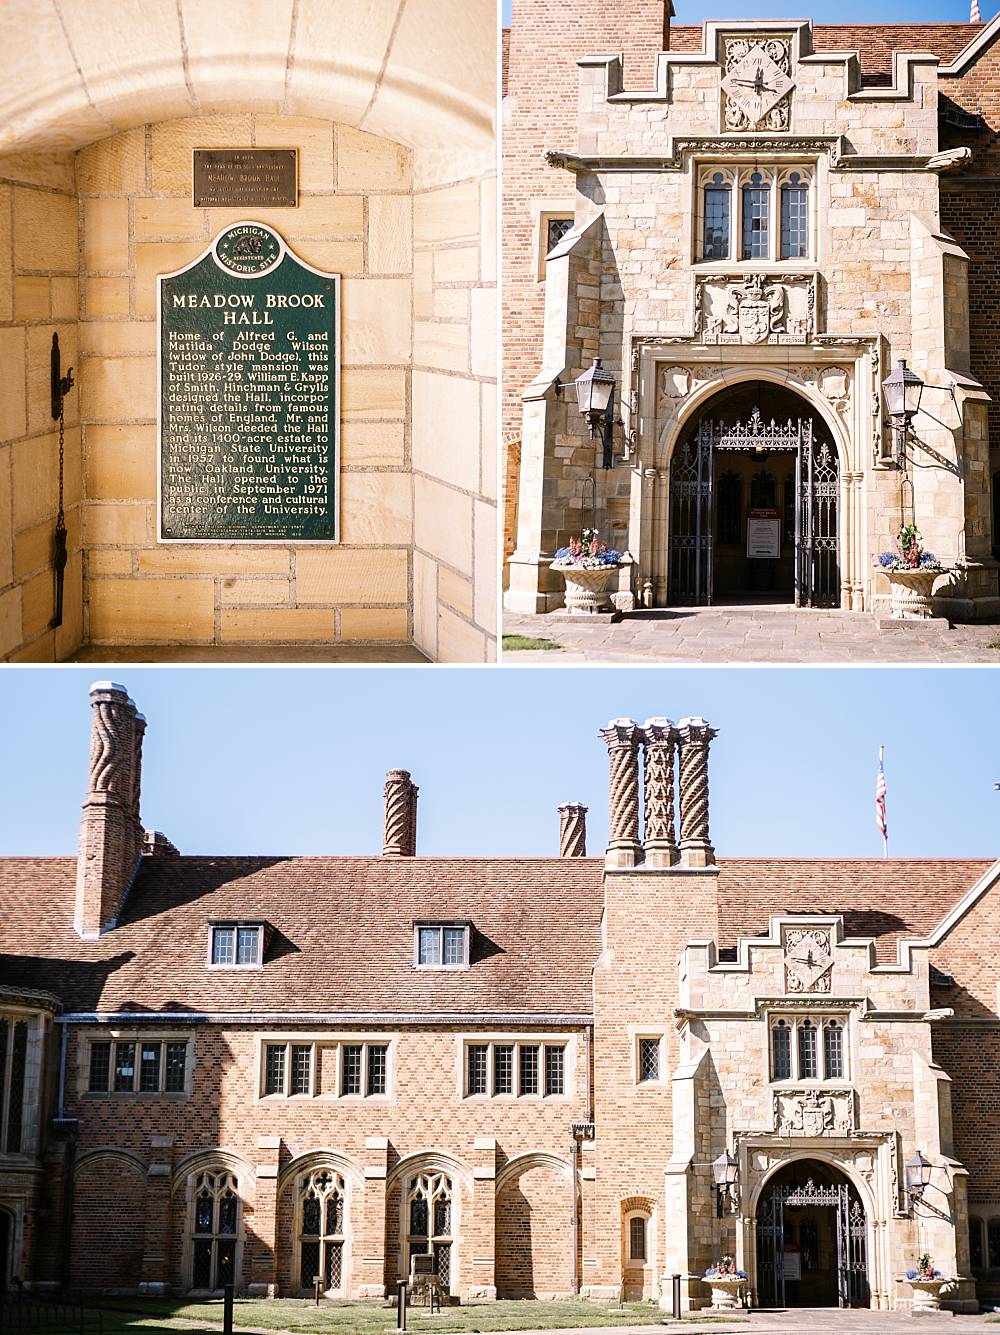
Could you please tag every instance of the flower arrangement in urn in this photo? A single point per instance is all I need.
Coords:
(925, 1268)
(911, 573)
(724, 1269)
(586, 566)
(589, 553)
(909, 553)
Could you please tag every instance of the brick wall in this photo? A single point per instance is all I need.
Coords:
(38, 297)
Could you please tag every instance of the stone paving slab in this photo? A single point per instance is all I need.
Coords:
(765, 634)
(806, 1322)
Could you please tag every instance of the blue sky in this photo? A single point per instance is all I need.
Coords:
(286, 761)
(845, 11)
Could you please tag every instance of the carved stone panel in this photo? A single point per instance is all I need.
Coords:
(751, 308)
(814, 1112)
(808, 959)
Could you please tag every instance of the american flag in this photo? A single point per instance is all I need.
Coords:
(880, 820)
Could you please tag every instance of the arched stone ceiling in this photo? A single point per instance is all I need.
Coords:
(422, 72)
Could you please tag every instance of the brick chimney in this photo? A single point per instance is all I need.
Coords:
(623, 737)
(572, 830)
(659, 827)
(111, 835)
(696, 846)
(400, 815)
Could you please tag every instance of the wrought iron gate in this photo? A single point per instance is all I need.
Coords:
(852, 1242)
(692, 508)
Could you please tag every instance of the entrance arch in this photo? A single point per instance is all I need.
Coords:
(811, 1239)
(755, 507)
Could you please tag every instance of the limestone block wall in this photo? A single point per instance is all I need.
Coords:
(38, 297)
(354, 217)
(455, 414)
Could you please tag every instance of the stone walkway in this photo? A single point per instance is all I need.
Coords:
(803, 1321)
(756, 634)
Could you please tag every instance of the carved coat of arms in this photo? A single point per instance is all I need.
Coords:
(756, 309)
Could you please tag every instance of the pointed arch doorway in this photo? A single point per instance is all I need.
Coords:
(811, 1239)
(754, 503)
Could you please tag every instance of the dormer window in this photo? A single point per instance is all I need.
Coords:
(441, 945)
(236, 945)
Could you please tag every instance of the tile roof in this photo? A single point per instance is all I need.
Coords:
(343, 927)
(874, 42)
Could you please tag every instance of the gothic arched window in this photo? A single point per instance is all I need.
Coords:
(718, 209)
(833, 1050)
(322, 1231)
(215, 1228)
(729, 496)
(762, 491)
(808, 1055)
(756, 218)
(781, 1051)
(429, 1222)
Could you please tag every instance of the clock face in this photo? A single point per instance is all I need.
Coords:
(756, 84)
(807, 958)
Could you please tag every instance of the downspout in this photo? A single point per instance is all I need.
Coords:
(581, 1131)
(67, 1128)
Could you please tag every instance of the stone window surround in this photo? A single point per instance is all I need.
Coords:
(736, 175)
(635, 1034)
(819, 1015)
(542, 211)
(326, 1040)
(187, 1264)
(234, 925)
(566, 1041)
(115, 1034)
(301, 1186)
(636, 1262)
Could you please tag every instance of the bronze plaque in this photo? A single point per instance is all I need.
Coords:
(256, 178)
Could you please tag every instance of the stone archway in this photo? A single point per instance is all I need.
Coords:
(753, 510)
(811, 1239)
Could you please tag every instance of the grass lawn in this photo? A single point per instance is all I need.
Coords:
(528, 642)
(373, 1318)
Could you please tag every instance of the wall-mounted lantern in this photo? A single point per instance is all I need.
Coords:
(918, 1176)
(726, 1172)
(595, 396)
(902, 391)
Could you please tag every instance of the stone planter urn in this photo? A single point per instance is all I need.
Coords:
(725, 1291)
(927, 1294)
(586, 590)
(910, 593)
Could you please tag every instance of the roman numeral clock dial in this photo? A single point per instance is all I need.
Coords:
(754, 85)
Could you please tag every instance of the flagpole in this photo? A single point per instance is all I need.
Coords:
(885, 832)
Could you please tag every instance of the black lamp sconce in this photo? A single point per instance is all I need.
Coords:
(61, 386)
(595, 396)
(903, 391)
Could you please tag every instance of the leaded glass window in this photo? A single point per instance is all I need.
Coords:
(781, 1051)
(236, 946)
(454, 945)
(149, 1068)
(322, 1230)
(756, 218)
(442, 947)
(833, 1042)
(15, 1088)
(718, 204)
(808, 1057)
(637, 1238)
(528, 1068)
(215, 1223)
(124, 1067)
(993, 1244)
(100, 1068)
(762, 491)
(503, 1068)
(176, 1068)
(274, 1068)
(301, 1068)
(247, 945)
(649, 1060)
(794, 218)
(350, 1069)
(378, 1054)
(223, 945)
(555, 230)
(478, 1056)
(555, 1069)
(429, 1213)
(430, 945)
(729, 496)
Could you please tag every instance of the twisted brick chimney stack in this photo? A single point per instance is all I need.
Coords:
(111, 834)
(572, 830)
(400, 815)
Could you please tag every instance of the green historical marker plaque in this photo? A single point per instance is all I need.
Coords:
(249, 395)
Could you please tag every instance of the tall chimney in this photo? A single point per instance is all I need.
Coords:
(695, 738)
(623, 736)
(111, 836)
(400, 815)
(572, 830)
(659, 828)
